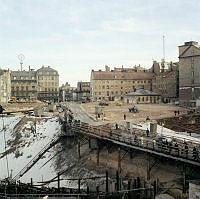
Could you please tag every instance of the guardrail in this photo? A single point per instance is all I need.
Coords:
(179, 151)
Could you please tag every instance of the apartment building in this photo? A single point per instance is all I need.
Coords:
(83, 91)
(165, 80)
(48, 84)
(5, 86)
(24, 85)
(189, 73)
(114, 84)
(64, 92)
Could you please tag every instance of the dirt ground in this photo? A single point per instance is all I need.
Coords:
(17, 106)
(114, 113)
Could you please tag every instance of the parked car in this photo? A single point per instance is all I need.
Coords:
(103, 104)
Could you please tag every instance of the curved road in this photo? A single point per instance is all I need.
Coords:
(80, 114)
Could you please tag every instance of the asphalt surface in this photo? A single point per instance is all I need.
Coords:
(80, 114)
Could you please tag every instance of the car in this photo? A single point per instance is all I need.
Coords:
(163, 140)
(103, 104)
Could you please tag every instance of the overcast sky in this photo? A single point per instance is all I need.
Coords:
(76, 36)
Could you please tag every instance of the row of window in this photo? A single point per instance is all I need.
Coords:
(135, 81)
(110, 93)
(24, 88)
(47, 95)
(48, 84)
(24, 78)
(116, 87)
(47, 73)
(47, 78)
(142, 99)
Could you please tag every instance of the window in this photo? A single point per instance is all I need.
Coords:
(103, 87)
(99, 93)
(107, 87)
(133, 82)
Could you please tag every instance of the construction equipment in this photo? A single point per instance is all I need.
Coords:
(118, 103)
(134, 109)
(12, 100)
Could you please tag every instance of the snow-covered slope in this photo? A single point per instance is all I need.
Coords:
(23, 143)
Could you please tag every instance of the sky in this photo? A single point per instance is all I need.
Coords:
(76, 36)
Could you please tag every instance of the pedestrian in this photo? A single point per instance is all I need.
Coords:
(147, 132)
(194, 153)
(176, 148)
(186, 149)
(147, 118)
(170, 147)
(124, 116)
(175, 113)
(178, 112)
(116, 126)
(1, 109)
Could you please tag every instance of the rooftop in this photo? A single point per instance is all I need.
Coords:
(107, 75)
(143, 92)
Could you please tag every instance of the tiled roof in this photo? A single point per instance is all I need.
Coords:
(105, 75)
(142, 92)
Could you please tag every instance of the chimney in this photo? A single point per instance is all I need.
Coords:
(107, 68)
(29, 67)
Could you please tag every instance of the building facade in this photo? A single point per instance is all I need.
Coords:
(83, 91)
(114, 84)
(24, 85)
(64, 92)
(165, 81)
(48, 84)
(189, 73)
(5, 86)
(141, 96)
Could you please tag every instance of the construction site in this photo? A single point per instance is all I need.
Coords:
(89, 150)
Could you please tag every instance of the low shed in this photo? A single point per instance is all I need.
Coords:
(141, 96)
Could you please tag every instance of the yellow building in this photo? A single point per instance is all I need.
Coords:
(114, 84)
(48, 84)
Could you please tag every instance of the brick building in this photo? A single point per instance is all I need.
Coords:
(189, 73)
(24, 85)
(165, 80)
(5, 86)
(114, 84)
(48, 84)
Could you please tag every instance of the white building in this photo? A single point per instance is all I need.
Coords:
(5, 86)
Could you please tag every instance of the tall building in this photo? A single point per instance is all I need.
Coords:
(165, 80)
(24, 85)
(64, 92)
(5, 86)
(83, 91)
(48, 84)
(189, 73)
(114, 84)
